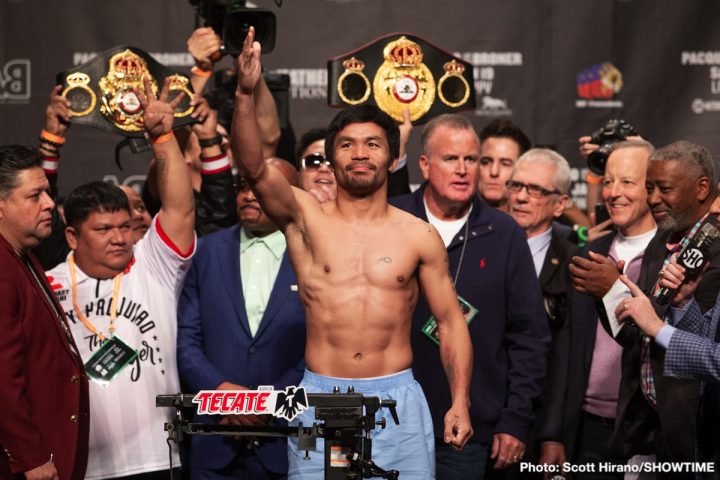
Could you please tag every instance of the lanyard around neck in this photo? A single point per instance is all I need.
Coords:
(462, 252)
(78, 312)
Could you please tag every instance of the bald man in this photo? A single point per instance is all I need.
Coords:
(240, 325)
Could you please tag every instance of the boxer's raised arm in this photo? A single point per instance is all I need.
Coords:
(273, 191)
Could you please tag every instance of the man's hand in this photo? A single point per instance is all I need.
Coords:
(57, 113)
(324, 193)
(46, 471)
(507, 450)
(206, 127)
(249, 420)
(600, 230)
(639, 309)
(204, 46)
(158, 113)
(586, 148)
(405, 130)
(248, 64)
(594, 276)
(243, 420)
(458, 428)
(673, 275)
(552, 453)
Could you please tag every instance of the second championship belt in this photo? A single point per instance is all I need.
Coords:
(407, 72)
(102, 91)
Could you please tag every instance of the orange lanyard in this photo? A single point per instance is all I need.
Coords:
(78, 312)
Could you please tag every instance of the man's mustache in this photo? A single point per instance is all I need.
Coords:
(352, 165)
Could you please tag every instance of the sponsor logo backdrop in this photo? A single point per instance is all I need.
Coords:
(559, 68)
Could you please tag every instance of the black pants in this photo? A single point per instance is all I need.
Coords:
(594, 447)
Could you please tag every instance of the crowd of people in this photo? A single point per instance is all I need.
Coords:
(504, 337)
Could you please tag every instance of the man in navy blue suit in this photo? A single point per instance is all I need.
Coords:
(241, 325)
(493, 274)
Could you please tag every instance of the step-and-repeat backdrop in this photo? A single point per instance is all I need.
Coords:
(558, 68)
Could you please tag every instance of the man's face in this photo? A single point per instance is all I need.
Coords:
(361, 158)
(623, 190)
(251, 216)
(104, 240)
(314, 171)
(26, 213)
(535, 214)
(450, 166)
(497, 158)
(674, 195)
(139, 215)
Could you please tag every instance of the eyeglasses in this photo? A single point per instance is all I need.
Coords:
(535, 191)
(315, 161)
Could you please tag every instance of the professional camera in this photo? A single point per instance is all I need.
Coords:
(613, 132)
(232, 20)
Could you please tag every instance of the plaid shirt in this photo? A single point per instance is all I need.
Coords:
(693, 351)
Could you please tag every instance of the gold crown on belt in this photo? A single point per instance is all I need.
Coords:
(127, 65)
(403, 52)
(454, 67)
(354, 65)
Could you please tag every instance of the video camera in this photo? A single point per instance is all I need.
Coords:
(613, 132)
(232, 19)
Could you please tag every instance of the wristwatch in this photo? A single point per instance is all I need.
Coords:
(209, 142)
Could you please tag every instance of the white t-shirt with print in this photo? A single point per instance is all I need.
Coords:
(126, 429)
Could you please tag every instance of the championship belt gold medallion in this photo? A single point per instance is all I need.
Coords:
(403, 81)
(120, 106)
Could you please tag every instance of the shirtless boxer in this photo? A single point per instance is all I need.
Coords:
(358, 262)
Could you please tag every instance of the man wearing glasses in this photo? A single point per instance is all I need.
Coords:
(537, 195)
(316, 172)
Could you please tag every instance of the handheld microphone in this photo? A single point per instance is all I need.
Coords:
(692, 257)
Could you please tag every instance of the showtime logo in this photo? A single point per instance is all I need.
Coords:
(15, 81)
(699, 106)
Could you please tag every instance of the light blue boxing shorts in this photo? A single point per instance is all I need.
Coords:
(408, 448)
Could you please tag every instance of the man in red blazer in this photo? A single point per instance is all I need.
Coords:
(44, 390)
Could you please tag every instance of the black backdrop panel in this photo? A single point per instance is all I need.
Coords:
(529, 58)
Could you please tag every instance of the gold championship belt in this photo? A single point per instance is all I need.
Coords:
(407, 72)
(102, 91)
